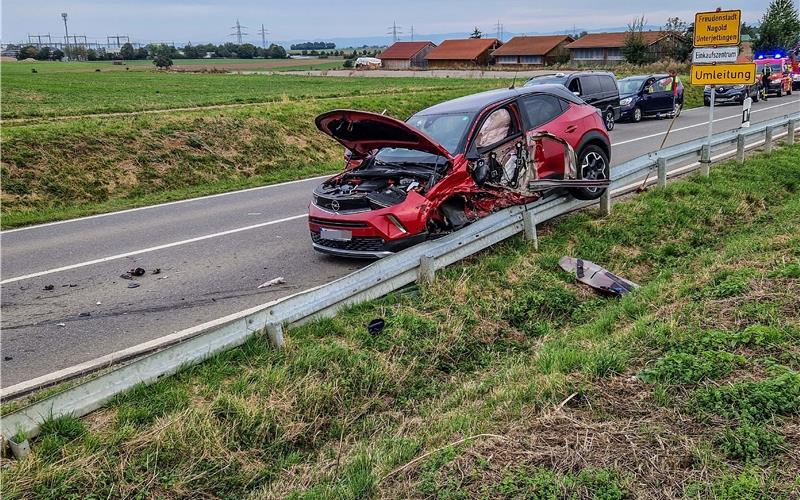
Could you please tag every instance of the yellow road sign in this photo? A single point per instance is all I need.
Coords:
(717, 28)
(724, 74)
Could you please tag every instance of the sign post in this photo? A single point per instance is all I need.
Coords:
(716, 39)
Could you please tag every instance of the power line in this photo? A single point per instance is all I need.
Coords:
(394, 30)
(238, 33)
(263, 32)
(39, 39)
(118, 40)
(412, 32)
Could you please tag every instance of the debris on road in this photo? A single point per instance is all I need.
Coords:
(126, 276)
(157, 270)
(84, 314)
(591, 274)
(8, 358)
(49, 288)
(133, 285)
(276, 281)
(376, 326)
(62, 324)
(137, 272)
(98, 303)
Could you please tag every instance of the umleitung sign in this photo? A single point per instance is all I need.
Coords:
(717, 28)
(724, 74)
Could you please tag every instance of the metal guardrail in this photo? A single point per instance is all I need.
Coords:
(373, 281)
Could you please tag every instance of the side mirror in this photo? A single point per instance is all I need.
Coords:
(480, 172)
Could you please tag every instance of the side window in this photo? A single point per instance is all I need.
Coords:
(591, 85)
(608, 84)
(496, 127)
(575, 86)
(663, 85)
(540, 109)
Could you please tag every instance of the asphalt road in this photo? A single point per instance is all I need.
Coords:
(212, 252)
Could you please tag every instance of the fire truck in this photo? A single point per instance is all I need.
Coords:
(780, 81)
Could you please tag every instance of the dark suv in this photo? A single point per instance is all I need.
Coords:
(598, 88)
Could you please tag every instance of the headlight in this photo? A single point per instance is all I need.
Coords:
(626, 101)
(707, 87)
(738, 87)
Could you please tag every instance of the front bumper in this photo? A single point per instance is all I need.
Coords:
(368, 234)
(732, 95)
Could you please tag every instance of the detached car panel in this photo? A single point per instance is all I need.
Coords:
(451, 164)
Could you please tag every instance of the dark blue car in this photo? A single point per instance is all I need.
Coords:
(649, 95)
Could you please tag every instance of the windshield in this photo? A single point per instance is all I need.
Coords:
(540, 80)
(630, 85)
(447, 129)
(776, 67)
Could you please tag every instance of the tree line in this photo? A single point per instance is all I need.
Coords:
(152, 51)
(313, 46)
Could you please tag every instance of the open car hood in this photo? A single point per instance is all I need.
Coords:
(362, 132)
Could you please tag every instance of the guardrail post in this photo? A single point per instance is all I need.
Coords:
(661, 165)
(790, 128)
(705, 160)
(275, 334)
(740, 147)
(427, 268)
(529, 226)
(605, 202)
(768, 140)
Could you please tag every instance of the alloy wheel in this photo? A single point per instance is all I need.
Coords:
(593, 167)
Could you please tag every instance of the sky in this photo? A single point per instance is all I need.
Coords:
(202, 21)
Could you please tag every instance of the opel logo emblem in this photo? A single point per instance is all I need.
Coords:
(335, 205)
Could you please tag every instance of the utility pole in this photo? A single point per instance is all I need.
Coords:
(238, 33)
(39, 39)
(394, 30)
(263, 32)
(66, 32)
(499, 28)
(412, 32)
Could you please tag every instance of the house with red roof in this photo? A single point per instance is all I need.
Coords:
(533, 50)
(406, 55)
(606, 48)
(463, 53)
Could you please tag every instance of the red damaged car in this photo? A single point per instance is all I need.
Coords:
(453, 163)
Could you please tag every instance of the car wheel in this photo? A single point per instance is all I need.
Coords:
(637, 114)
(592, 164)
(608, 119)
(780, 92)
(676, 109)
(757, 96)
(706, 102)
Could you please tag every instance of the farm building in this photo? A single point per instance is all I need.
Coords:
(406, 55)
(460, 53)
(606, 48)
(533, 50)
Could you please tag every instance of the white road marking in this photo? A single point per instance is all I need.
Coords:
(148, 207)
(705, 123)
(150, 249)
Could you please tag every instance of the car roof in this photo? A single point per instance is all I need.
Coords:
(574, 73)
(643, 77)
(477, 102)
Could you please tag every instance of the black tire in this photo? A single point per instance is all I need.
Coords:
(780, 92)
(636, 117)
(757, 96)
(608, 119)
(593, 164)
(706, 102)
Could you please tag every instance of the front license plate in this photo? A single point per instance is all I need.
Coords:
(335, 234)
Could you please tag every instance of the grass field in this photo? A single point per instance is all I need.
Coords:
(502, 379)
